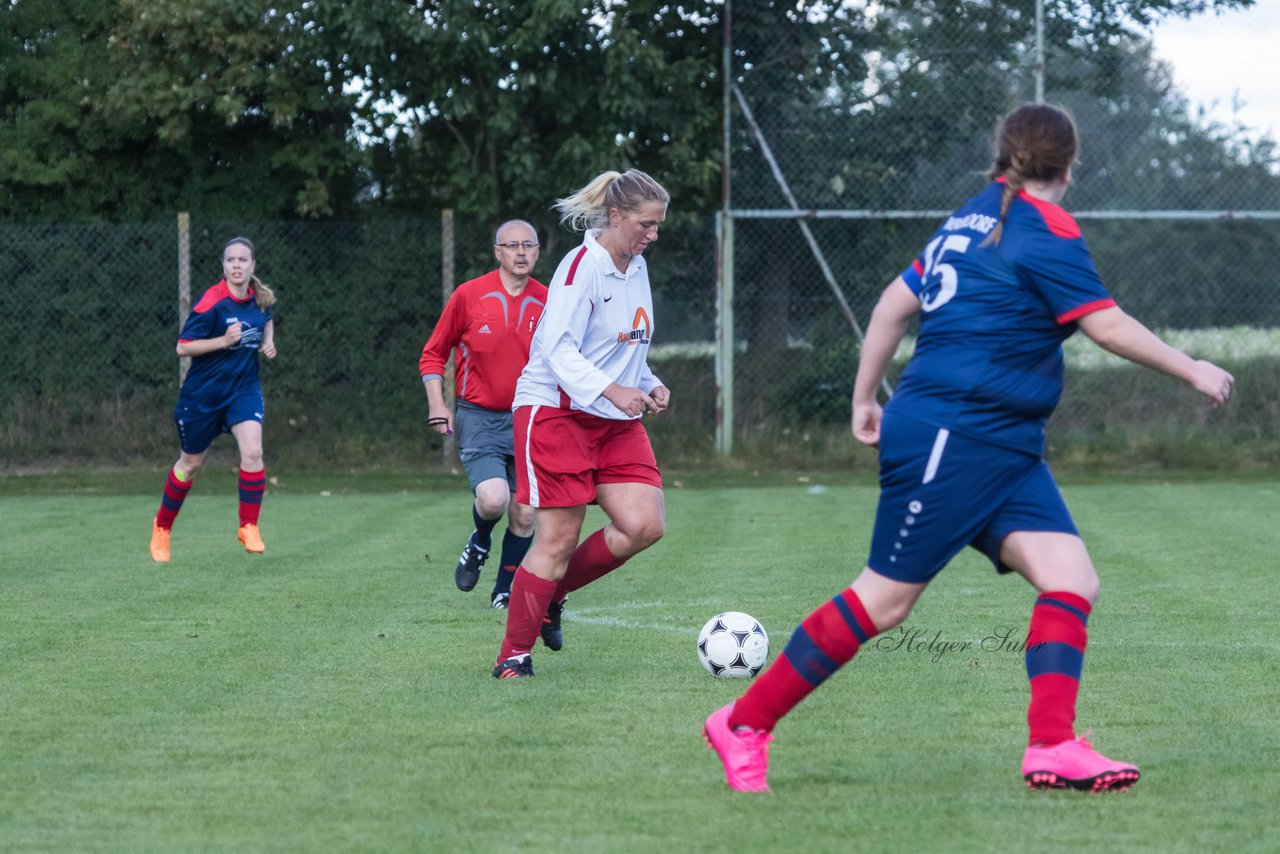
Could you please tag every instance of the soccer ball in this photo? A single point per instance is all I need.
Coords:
(733, 644)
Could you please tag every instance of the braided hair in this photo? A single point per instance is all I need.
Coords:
(1035, 142)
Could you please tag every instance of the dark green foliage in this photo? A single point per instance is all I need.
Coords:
(254, 109)
(373, 117)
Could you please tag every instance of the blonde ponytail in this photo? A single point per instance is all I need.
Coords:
(626, 191)
(586, 208)
(265, 296)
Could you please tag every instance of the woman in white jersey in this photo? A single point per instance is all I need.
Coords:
(578, 406)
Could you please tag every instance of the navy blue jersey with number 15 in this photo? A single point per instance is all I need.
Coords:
(988, 361)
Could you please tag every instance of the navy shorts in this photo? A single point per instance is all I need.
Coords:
(486, 444)
(940, 492)
(197, 429)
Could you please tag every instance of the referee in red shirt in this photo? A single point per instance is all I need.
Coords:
(488, 323)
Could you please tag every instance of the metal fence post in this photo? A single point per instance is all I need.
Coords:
(724, 257)
(449, 451)
(184, 285)
(724, 338)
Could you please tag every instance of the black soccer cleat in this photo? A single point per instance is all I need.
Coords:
(552, 635)
(500, 601)
(514, 668)
(468, 571)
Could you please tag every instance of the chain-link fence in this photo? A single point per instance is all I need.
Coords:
(92, 374)
(89, 372)
(877, 121)
(844, 164)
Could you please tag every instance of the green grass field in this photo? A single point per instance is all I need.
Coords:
(334, 694)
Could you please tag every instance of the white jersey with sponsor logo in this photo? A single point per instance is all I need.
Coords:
(595, 330)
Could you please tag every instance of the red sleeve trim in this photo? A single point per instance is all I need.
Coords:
(212, 297)
(573, 268)
(1060, 223)
(918, 267)
(1088, 308)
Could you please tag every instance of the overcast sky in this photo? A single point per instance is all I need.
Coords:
(1218, 60)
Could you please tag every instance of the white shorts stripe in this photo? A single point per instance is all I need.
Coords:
(935, 456)
(530, 471)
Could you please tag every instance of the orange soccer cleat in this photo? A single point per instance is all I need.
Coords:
(251, 538)
(160, 543)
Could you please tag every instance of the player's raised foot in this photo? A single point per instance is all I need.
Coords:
(251, 538)
(1076, 764)
(552, 633)
(160, 543)
(743, 752)
(515, 667)
(468, 571)
(500, 601)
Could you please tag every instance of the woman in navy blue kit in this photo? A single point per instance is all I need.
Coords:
(1004, 281)
(226, 330)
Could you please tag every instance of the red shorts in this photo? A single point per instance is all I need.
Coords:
(563, 454)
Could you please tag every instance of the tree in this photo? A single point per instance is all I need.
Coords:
(512, 105)
(234, 108)
(326, 108)
(56, 150)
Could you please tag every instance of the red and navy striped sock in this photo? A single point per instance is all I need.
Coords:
(827, 640)
(1056, 641)
(252, 485)
(530, 596)
(175, 492)
(590, 561)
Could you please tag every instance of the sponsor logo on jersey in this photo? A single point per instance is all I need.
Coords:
(974, 221)
(639, 333)
(250, 336)
(484, 330)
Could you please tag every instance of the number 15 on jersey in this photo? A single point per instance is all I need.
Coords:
(949, 280)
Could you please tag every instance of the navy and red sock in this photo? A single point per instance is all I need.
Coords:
(252, 486)
(827, 640)
(1056, 641)
(175, 492)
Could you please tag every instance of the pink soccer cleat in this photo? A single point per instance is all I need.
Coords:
(1076, 764)
(744, 752)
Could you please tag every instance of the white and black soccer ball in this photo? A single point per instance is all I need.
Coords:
(733, 644)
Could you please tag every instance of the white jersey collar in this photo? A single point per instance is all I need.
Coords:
(635, 265)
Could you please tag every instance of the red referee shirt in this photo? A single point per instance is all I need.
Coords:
(489, 331)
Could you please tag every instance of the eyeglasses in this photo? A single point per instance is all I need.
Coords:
(524, 244)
